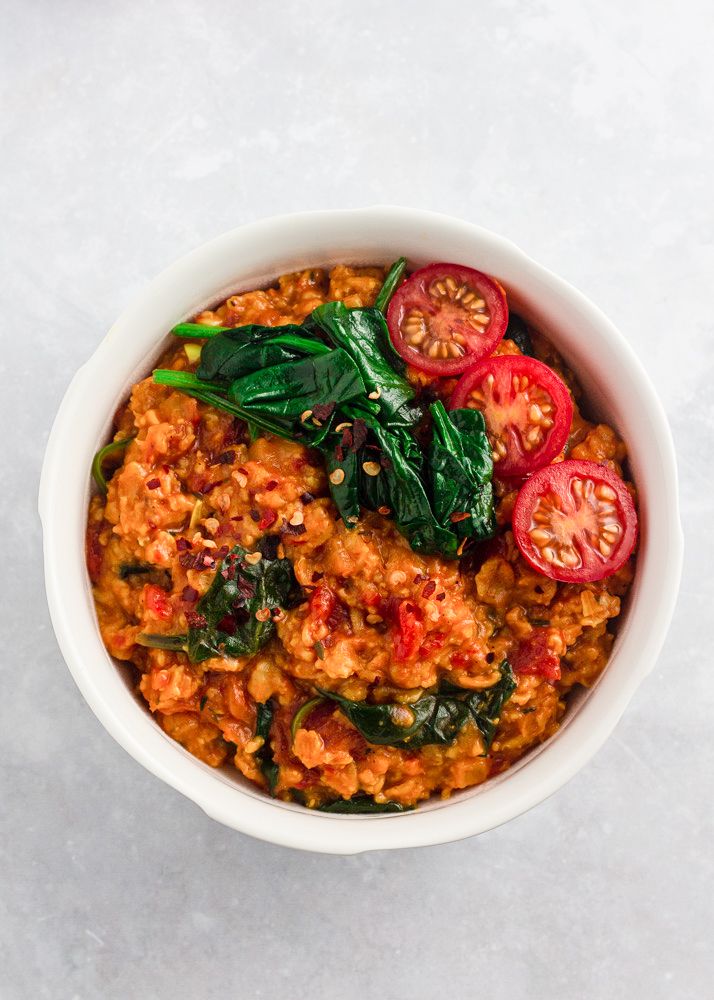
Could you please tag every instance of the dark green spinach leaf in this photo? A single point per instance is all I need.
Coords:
(264, 754)
(232, 618)
(246, 349)
(363, 334)
(400, 487)
(361, 804)
(435, 719)
(225, 622)
(460, 468)
(286, 391)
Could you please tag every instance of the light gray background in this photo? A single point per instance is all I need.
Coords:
(132, 132)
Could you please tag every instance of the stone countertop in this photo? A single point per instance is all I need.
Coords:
(133, 132)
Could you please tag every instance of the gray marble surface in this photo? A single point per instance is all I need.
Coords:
(131, 132)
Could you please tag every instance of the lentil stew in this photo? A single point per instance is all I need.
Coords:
(307, 554)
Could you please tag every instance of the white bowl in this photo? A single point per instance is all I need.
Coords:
(252, 256)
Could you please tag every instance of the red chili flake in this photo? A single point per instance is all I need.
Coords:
(238, 517)
(459, 516)
(183, 544)
(359, 434)
(385, 462)
(269, 487)
(317, 576)
(225, 458)
(191, 560)
(340, 453)
(268, 518)
(255, 514)
(306, 498)
(237, 433)
(429, 588)
(190, 594)
(418, 578)
(228, 625)
(153, 484)
(347, 439)
(195, 620)
(221, 553)
(323, 411)
(440, 597)
(460, 660)
(294, 529)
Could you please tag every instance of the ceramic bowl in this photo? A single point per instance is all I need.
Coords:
(251, 256)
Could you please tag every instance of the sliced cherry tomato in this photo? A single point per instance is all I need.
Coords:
(446, 316)
(157, 602)
(527, 409)
(534, 656)
(575, 522)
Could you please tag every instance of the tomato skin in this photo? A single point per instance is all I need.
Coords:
(94, 552)
(157, 602)
(322, 603)
(599, 532)
(407, 629)
(507, 412)
(534, 657)
(267, 520)
(447, 319)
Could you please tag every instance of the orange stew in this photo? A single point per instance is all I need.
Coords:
(374, 622)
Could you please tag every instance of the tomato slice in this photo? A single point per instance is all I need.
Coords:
(575, 522)
(527, 409)
(446, 316)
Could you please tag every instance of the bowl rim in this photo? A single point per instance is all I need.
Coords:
(249, 810)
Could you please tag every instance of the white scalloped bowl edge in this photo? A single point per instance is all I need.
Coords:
(251, 256)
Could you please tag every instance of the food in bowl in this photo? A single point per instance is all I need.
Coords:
(364, 559)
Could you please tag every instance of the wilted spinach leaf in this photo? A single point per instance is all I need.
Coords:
(264, 754)
(224, 623)
(360, 804)
(234, 353)
(400, 487)
(435, 719)
(363, 334)
(110, 451)
(460, 469)
(285, 391)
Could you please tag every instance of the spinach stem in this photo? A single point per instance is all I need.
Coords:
(108, 451)
(176, 643)
(211, 393)
(391, 283)
(191, 330)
